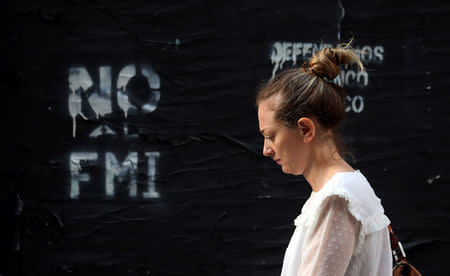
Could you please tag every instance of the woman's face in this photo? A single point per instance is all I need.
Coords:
(282, 144)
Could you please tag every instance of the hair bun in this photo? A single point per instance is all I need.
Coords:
(325, 62)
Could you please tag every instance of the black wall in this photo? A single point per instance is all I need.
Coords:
(182, 188)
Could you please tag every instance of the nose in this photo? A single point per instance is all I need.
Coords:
(267, 151)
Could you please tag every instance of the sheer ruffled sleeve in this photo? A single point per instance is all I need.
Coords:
(331, 240)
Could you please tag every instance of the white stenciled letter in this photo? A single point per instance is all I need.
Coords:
(101, 101)
(79, 79)
(276, 56)
(151, 193)
(75, 170)
(126, 170)
(378, 53)
(124, 76)
(154, 81)
(296, 51)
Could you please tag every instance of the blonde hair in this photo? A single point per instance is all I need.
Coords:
(308, 91)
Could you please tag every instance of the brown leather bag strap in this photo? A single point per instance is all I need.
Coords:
(396, 246)
(401, 265)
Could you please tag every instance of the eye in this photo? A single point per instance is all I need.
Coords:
(268, 137)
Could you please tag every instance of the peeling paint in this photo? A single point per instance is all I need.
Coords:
(432, 179)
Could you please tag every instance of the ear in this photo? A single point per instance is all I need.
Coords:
(307, 129)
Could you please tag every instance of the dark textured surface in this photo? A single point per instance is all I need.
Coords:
(223, 209)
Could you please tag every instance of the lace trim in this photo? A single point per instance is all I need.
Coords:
(370, 225)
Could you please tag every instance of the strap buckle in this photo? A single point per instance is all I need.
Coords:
(398, 250)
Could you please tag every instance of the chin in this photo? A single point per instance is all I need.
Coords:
(286, 171)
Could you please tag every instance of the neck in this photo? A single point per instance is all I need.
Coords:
(324, 163)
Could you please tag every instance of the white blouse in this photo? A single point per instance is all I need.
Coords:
(342, 230)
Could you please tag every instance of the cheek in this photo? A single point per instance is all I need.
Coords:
(296, 153)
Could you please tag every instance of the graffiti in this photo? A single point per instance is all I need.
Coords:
(75, 170)
(352, 78)
(116, 173)
(282, 52)
(298, 52)
(137, 90)
(355, 104)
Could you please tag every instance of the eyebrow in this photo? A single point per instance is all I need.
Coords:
(262, 130)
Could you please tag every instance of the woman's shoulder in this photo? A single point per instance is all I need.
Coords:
(352, 190)
(354, 186)
(362, 202)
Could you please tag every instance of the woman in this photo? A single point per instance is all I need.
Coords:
(342, 228)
